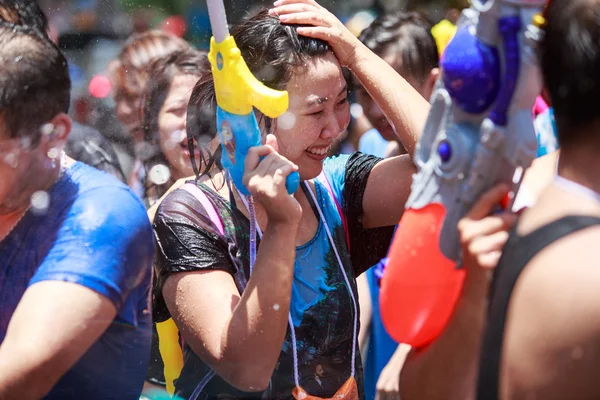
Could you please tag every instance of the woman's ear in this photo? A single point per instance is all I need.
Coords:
(429, 83)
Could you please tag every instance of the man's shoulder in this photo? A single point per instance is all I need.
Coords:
(101, 199)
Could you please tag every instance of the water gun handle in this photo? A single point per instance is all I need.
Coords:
(238, 92)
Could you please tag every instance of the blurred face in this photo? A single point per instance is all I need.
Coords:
(128, 108)
(372, 110)
(25, 169)
(171, 126)
(318, 113)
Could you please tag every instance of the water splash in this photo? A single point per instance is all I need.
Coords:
(159, 174)
(40, 201)
(286, 121)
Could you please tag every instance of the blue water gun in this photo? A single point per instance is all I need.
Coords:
(238, 92)
(479, 133)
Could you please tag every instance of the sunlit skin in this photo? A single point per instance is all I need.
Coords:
(171, 125)
(372, 110)
(319, 106)
(129, 113)
(32, 170)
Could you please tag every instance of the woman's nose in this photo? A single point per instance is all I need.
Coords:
(332, 127)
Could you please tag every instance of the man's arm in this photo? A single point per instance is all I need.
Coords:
(54, 324)
(447, 369)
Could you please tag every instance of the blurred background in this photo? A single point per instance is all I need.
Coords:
(91, 33)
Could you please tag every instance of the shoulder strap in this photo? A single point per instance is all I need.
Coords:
(207, 204)
(323, 179)
(516, 255)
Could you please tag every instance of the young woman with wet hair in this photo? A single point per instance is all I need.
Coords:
(128, 74)
(273, 332)
(166, 155)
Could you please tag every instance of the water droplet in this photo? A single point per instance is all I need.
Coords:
(25, 142)
(175, 138)
(53, 153)
(40, 201)
(276, 307)
(11, 159)
(286, 121)
(159, 174)
(356, 111)
(47, 129)
(17, 59)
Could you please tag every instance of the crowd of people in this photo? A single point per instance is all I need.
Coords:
(150, 285)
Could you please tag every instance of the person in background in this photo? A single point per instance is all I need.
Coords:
(171, 81)
(404, 41)
(85, 143)
(129, 76)
(75, 245)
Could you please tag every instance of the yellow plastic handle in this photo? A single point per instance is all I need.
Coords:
(237, 90)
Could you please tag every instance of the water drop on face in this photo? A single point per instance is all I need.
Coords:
(159, 174)
(286, 121)
(276, 307)
(47, 129)
(175, 138)
(40, 201)
(11, 159)
(53, 153)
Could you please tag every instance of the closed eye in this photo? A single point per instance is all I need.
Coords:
(343, 101)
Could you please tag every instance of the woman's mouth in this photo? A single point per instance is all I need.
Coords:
(318, 152)
(186, 152)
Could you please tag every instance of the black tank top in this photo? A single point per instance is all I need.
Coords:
(517, 253)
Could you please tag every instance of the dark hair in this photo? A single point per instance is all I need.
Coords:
(201, 125)
(570, 63)
(406, 35)
(273, 52)
(34, 83)
(128, 72)
(24, 12)
(161, 74)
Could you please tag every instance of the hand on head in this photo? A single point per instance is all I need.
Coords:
(322, 25)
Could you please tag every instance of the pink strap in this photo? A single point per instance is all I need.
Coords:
(323, 178)
(207, 204)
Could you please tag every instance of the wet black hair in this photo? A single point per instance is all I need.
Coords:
(274, 52)
(34, 84)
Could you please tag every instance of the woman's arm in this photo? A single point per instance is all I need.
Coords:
(403, 106)
(240, 337)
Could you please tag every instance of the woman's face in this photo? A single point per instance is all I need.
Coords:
(318, 113)
(171, 126)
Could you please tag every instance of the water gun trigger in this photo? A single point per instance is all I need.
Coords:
(236, 88)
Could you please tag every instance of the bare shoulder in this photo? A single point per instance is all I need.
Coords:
(552, 337)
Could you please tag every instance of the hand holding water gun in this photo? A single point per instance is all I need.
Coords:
(238, 91)
(479, 133)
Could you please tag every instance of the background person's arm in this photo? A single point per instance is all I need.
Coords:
(54, 324)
